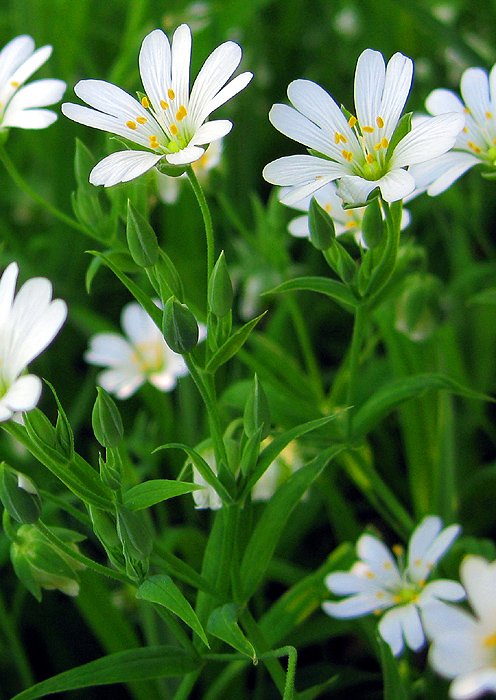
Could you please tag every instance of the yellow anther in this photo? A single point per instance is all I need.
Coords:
(369, 574)
(398, 550)
(171, 93)
(351, 224)
(14, 83)
(131, 125)
(174, 130)
(422, 582)
(181, 113)
(153, 142)
(350, 213)
(385, 143)
(145, 102)
(489, 115)
(380, 594)
(368, 129)
(380, 122)
(417, 562)
(377, 612)
(344, 154)
(351, 122)
(337, 137)
(490, 640)
(396, 599)
(477, 150)
(141, 120)
(328, 208)
(163, 104)
(466, 110)
(369, 158)
(377, 146)
(387, 565)
(465, 130)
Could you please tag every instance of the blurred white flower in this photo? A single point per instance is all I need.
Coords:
(169, 122)
(476, 143)
(20, 104)
(143, 355)
(29, 321)
(379, 582)
(359, 152)
(168, 187)
(464, 645)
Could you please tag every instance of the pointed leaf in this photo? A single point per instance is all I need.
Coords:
(232, 345)
(161, 589)
(223, 623)
(154, 491)
(331, 288)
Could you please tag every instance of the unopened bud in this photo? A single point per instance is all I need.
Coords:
(39, 429)
(372, 224)
(106, 420)
(322, 230)
(141, 238)
(220, 290)
(19, 495)
(180, 328)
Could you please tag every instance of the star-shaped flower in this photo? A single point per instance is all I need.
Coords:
(476, 143)
(20, 104)
(464, 645)
(29, 321)
(379, 582)
(360, 152)
(143, 355)
(169, 123)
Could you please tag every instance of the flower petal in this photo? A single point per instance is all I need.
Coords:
(31, 65)
(299, 128)
(479, 579)
(232, 88)
(23, 394)
(439, 174)
(7, 290)
(103, 122)
(391, 629)
(13, 54)
(185, 155)
(301, 169)
(370, 77)
(211, 131)
(399, 75)
(180, 63)
(422, 538)
(430, 139)
(456, 652)
(122, 382)
(474, 87)
(379, 560)
(441, 101)
(445, 589)
(122, 167)
(344, 583)
(155, 66)
(108, 349)
(473, 685)
(355, 606)
(29, 118)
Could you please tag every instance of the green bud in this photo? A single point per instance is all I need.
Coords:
(133, 533)
(106, 420)
(104, 528)
(220, 290)
(141, 238)
(322, 231)
(180, 328)
(373, 224)
(19, 495)
(171, 170)
(39, 564)
(39, 429)
(65, 435)
(256, 411)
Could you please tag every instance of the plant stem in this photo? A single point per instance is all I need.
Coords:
(187, 685)
(306, 346)
(207, 219)
(15, 646)
(77, 556)
(354, 361)
(21, 182)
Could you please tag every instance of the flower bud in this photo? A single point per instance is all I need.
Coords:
(256, 411)
(220, 290)
(141, 238)
(180, 328)
(104, 528)
(110, 475)
(39, 564)
(106, 420)
(322, 231)
(19, 495)
(39, 429)
(133, 533)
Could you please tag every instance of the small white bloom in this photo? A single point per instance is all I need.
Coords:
(20, 104)
(29, 321)
(345, 220)
(143, 355)
(356, 151)
(476, 143)
(168, 187)
(169, 122)
(464, 645)
(378, 582)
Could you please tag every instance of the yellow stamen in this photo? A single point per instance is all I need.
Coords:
(369, 574)
(351, 224)
(145, 102)
(369, 158)
(387, 565)
(328, 208)
(337, 137)
(396, 599)
(489, 115)
(380, 594)
(422, 582)
(174, 130)
(368, 129)
(14, 83)
(477, 150)
(141, 120)
(465, 130)
(163, 104)
(181, 113)
(377, 146)
(171, 93)
(380, 122)
(153, 142)
(466, 110)
(377, 612)
(351, 122)
(385, 143)
(131, 125)
(490, 640)
(350, 213)
(417, 562)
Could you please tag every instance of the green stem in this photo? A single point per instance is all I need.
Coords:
(175, 628)
(21, 182)
(187, 685)
(15, 646)
(207, 219)
(306, 346)
(354, 361)
(77, 556)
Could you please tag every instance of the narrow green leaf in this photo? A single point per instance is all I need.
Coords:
(121, 667)
(265, 537)
(397, 391)
(232, 345)
(323, 285)
(395, 687)
(161, 589)
(223, 623)
(154, 491)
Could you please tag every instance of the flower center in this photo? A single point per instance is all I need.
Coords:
(173, 134)
(149, 357)
(371, 161)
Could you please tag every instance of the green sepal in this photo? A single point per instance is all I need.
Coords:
(104, 527)
(39, 429)
(403, 127)
(133, 533)
(373, 224)
(179, 327)
(257, 412)
(141, 238)
(106, 420)
(322, 230)
(168, 281)
(339, 260)
(19, 495)
(220, 289)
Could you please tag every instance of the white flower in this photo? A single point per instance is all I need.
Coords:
(345, 220)
(168, 186)
(357, 151)
(141, 356)
(29, 321)
(19, 103)
(464, 646)
(169, 122)
(376, 583)
(476, 143)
